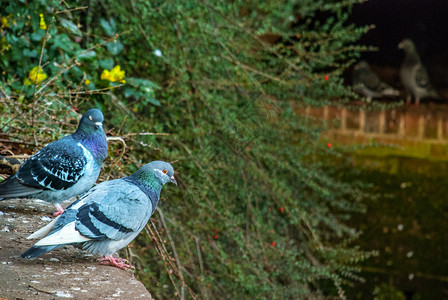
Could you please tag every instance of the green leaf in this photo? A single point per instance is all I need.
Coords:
(17, 85)
(87, 55)
(114, 47)
(128, 91)
(37, 36)
(153, 101)
(107, 63)
(29, 53)
(64, 42)
(137, 82)
(108, 28)
(72, 27)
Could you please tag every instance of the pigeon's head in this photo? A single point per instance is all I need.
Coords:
(92, 120)
(407, 45)
(161, 170)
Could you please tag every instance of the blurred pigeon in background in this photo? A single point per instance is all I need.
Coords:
(414, 76)
(109, 216)
(368, 84)
(64, 168)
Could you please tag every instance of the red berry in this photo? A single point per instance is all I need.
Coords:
(281, 209)
(329, 145)
(216, 236)
(326, 77)
(274, 244)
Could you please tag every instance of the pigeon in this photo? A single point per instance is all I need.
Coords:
(414, 76)
(107, 217)
(368, 84)
(64, 168)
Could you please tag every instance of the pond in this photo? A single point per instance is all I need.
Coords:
(407, 224)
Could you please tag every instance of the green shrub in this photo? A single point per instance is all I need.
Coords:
(260, 211)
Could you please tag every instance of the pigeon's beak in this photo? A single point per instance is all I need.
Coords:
(400, 45)
(99, 124)
(173, 180)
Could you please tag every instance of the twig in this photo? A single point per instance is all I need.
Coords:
(4, 93)
(35, 85)
(42, 291)
(179, 266)
(46, 37)
(167, 260)
(123, 150)
(23, 156)
(96, 91)
(145, 133)
(118, 102)
(71, 9)
(56, 76)
(162, 251)
(198, 249)
(18, 142)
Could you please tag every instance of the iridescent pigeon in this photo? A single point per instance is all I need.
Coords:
(368, 84)
(109, 216)
(414, 76)
(64, 168)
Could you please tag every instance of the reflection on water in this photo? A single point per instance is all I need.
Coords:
(407, 223)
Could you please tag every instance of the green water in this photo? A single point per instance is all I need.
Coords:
(407, 224)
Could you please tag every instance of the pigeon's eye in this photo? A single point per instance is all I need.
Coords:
(164, 171)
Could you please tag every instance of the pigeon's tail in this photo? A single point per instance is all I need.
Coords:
(433, 94)
(36, 251)
(11, 188)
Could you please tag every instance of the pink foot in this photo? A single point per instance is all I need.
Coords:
(60, 210)
(116, 262)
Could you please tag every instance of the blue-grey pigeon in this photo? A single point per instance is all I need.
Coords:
(367, 83)
(64, 168)
(109, 216)
(414, 76)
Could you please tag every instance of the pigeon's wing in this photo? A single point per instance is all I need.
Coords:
(58, 166)
(371, 80)
(421, 77)
(118, 209)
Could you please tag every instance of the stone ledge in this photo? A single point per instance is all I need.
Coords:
(63, 273)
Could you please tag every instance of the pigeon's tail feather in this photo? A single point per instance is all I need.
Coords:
(36, 251)
(11, 187)
(434, 94)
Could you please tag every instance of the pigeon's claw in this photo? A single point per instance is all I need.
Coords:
(116, 262)
(60, 210)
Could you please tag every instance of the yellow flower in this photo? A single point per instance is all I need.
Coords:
(35, 76)
(42, 24)
(87, 82)
(4, 46)
(114, 75)
(4, 22)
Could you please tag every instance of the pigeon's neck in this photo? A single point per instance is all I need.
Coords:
(148, 184)
(412, 58)
(95, 142)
